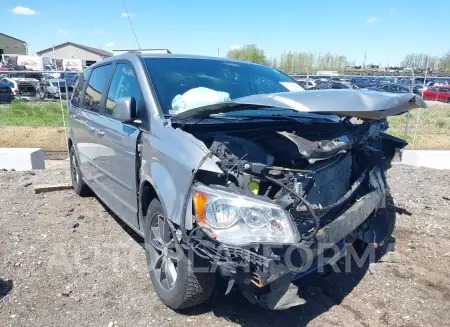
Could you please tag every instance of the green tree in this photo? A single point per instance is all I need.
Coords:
(249, 52)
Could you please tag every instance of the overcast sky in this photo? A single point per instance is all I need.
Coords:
(386, 30)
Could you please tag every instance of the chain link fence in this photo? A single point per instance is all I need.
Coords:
(33, 114)
(424, 129)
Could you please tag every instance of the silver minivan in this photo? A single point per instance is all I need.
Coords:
(231, 170)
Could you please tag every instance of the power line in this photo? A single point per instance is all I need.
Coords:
(131, 24)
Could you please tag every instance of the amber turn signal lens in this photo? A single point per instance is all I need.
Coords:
(200, 200)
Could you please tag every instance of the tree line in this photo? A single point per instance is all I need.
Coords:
(418, 61)
(311, 62)
(291, 62)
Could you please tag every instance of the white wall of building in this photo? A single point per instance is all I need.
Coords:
(72, 52)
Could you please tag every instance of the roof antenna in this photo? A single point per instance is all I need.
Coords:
(131, 24)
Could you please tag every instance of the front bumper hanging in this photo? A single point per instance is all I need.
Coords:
(270, 273)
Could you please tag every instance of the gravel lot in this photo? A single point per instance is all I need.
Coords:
(65, 261)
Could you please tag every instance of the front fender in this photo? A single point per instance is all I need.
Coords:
(169, 157)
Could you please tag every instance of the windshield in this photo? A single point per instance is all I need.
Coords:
(185, 83)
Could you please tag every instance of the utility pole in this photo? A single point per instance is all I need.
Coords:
(426, 71)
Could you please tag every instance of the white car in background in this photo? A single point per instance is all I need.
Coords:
(52, 69)
(55, 88)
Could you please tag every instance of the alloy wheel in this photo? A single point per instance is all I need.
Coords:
(163, 252)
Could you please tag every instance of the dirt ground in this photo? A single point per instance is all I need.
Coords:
(65, 261)
(45, 137)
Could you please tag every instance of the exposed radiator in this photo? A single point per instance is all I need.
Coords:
(332, 180)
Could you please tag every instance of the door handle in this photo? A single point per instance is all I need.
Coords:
(99, 132)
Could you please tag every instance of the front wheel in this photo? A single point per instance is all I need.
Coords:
(176, 277)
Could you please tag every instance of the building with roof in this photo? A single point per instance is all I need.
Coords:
(10, 45)
(70, 50)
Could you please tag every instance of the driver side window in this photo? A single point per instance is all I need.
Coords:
(123, 84)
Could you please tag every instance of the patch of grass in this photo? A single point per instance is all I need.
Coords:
(32, 114)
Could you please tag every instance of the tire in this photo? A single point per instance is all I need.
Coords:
(78, 184)
(189, 288)
(448, 101)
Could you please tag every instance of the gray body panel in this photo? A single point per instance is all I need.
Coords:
(169, 155)
(108, 160)
(116, 164)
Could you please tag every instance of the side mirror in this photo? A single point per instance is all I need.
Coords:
(126, 109)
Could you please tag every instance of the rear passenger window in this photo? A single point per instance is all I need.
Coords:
(123, 84)
(97, 83)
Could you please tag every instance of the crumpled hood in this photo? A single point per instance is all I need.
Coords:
(365, 104)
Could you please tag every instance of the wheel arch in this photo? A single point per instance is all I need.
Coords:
(147, 192)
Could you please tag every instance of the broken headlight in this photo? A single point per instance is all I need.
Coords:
(239, 220)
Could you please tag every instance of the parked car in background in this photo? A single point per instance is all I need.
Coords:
(11, 84)
(52, 69)
(322, 85)
(228, 174)
(19, 68)
(363, 82)
(6, 93)
(437, 93)
(395, 88)
(340, 85)
(70, 77)
(306, 84)
(23, 88)
(331, 84)
(54, 88)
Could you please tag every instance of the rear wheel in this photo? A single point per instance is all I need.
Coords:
(78, 185)
(174, 275)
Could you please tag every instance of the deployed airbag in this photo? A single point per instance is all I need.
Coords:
(197, 97)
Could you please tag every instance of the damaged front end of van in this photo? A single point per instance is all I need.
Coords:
(300, 175)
